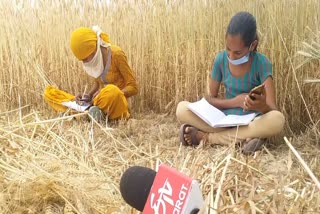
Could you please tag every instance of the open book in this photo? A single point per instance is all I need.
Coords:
(75, 106)
(216, 118)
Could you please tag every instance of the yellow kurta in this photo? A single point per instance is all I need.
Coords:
(120, 73)
(111, 99)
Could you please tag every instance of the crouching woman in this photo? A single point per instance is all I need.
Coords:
(114, 81)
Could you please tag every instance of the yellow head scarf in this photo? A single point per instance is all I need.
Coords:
(83, 42)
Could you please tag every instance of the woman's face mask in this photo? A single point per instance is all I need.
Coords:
(95, 66)
(241, 60)
(237, 52)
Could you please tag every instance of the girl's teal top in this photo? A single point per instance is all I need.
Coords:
(260, 70)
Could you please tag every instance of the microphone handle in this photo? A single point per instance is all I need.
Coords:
(203, 209)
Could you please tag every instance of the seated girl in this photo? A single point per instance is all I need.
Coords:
(240, 67)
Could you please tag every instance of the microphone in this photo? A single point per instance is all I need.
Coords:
(164, 192)
(135, 185)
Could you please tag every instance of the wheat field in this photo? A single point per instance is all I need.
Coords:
(52, 164)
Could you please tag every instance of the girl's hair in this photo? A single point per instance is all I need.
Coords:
(243, 23)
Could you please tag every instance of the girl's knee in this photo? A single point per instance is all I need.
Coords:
(182, 107)
(277, 120)
(279, 117)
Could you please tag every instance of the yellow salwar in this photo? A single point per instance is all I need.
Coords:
(110, 100)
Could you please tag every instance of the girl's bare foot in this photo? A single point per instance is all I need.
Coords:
(190, 135)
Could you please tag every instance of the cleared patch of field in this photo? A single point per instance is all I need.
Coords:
(53, 164)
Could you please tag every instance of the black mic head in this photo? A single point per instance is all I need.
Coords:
(195, 211)
(135, 185)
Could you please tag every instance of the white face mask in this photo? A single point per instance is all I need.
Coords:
(241, 60)
(95, 66)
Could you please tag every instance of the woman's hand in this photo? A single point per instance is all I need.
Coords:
(237, 101)
(259, 103)
(240, 100)
(83, 99)
(95, 94)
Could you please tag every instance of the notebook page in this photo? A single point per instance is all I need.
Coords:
(235, 120)
(75, 106)
(206, 111)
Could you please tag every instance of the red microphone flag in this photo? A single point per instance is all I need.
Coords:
(170, 192)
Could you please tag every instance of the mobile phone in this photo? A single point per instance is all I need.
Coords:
(256, 90)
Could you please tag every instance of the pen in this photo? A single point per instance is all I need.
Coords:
(84, 92)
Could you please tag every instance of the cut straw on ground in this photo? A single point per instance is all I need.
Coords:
(78, 164)
(303, 163)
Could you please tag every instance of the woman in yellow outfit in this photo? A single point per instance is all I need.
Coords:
(114, 79)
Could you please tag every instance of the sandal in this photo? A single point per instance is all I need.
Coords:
(256, 144)
(192, 133)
